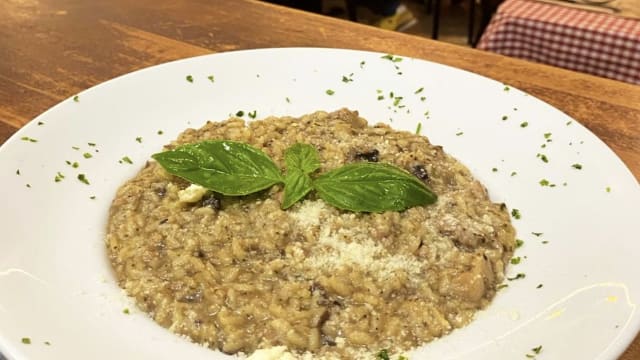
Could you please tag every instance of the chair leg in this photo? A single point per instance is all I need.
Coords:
(428, 4)
(472, 22)
(436, 19)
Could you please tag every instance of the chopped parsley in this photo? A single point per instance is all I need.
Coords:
(608, 189)
(75, 148)
(76, 98)
(330, 92)
(26, 340)
(392, 58)
(539, 286)
(459, 133)
(93, 197)
(516, 260)
(419, 90)
(536, 351)
(75, 165)
(402, 357)
(288, 100)
(494, 169)
(126, 311)
(29, 139)
(513, 173)
(18, 172)
(544, 182)
(47, 343)
(502, 286)
(536, 234)
(506, 88)
(125, 159)
(504, 117)
(418, 128)
(362, 64)
(383, 354)
(397, 100)
(189, 78)
(28, 185)
(83, 178)
(517, 277)
(160, 132)
(347, 79)
(568, 123)
(519, 243)
(139, 139)
(524, 124)
(380, 97)
(516, 214)
(59, 176)
(91, 144)
(87, 155)
(577, 166)
(211, 78)
(40, 123)
(547, 135)
(543, 157)
(252, 114)
(545, 241)
(423, 98)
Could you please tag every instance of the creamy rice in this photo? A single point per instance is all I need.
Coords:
(240, 274)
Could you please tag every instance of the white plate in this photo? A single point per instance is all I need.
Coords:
(56, 284)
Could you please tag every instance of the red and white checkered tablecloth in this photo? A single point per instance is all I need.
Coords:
(576, 39)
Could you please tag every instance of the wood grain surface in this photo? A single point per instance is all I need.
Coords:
(52, 49)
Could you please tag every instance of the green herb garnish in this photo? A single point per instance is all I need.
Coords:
(92, 197)
(252, 114)
(519, 243)
(347, 79)
(504, 117)
(59, 176)
(608, 189)
(75, 148)
(577, 166)
(139, 139)
(539, 286)
(29, 139)
(372, 187)
(506, 88)
(513, 173)
(418, 128)
(419, 90)
(287, 100)
(18, 172)
(26, 340)
(160, 132)
(494, 169)
(517, 277)
(91, 144)
(234, 168)
(76, 98)
(362, 64)
(330, 92)
(543, 157)
(189, 78)
(516, 260)
(516, 213)
(87, 155)
(28, 185)
(524, 124)
(240, 113)
(544, 182)
(383, 354)
(125, 159)
(392, 58)
(126, 311)
(211, 78)
(380, 97)
(83, 178)
(47, 343)
(40, 123)
(538, 234)
(228, 167)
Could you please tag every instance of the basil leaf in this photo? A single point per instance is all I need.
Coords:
(227, 167)
(372, 187)
(303, 157)
(296, 185)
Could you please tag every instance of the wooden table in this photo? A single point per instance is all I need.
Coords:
(52, 49)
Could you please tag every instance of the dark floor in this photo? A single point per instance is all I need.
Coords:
(454, 18)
